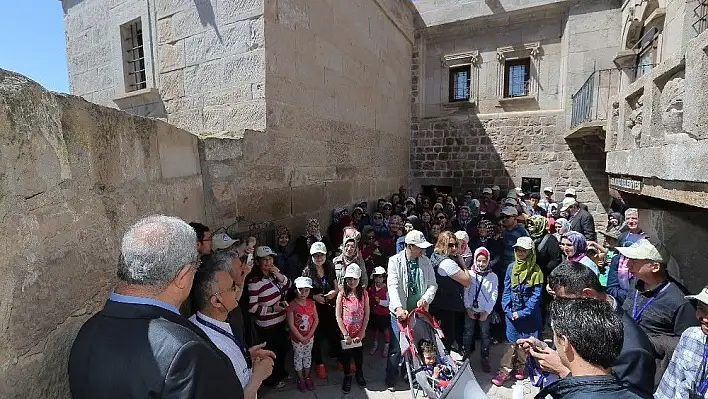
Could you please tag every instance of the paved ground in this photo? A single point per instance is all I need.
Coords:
(375, 367)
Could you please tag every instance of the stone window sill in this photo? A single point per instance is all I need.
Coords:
(137, 97)
(511, 100)
(459, 104)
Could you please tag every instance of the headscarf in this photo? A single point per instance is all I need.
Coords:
(579, 244)
(526, 270)
(337, 214)
(565, 224)
(282, 230)
(618, 216)
(357, 254)
(539, 226)
(486, 225)
(477, 268)
(317, 235)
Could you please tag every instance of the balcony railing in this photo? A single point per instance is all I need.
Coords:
(592, 102)
(700, 13)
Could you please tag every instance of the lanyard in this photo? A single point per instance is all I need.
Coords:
(637, 313)
(479, 287)
(536, 375)
(246, 354)
(702, 381)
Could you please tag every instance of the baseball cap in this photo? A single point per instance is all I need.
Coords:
(462, 236)
(378, 270)
(415, 237)
(303, 282)
(524, 242)
(318, 248)
(570, 192)
(411, 200)
(262, 252)
(510, 211)
(519, 192)
(701, 296)
(644, 249)
(222, 241)
(487, 190)
(548, 190)
(496, 188)
(353, 271)
(567, 203)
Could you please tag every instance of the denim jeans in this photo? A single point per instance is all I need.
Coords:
(468, 334)
(393, 369)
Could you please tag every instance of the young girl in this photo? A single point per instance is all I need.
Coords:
(302, 322)
(480, 298)
(380, 319)
(352, 318)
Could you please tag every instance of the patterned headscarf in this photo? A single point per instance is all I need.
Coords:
(565, 224)
(282, 230)
(477, 268)
(539, 226)
(579, 244)
(316, 224)
(487, 226)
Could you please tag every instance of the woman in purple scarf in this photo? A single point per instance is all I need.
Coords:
(575, 249)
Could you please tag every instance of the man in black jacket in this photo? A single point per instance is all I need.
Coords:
(635, 364)
(580, 219)
(139, 345)
(588, 335)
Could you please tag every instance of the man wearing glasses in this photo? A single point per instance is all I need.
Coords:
(139, 345)
(215, 295)
(513, 230)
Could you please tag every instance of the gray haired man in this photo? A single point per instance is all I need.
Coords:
(139, 345)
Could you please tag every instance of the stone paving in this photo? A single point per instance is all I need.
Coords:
(374, 372)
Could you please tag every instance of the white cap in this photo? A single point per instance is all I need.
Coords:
(643, 249)
(353, 271)
(511, 193)
(525, 243)
(222, 241)
(570, 192)
(262, 252)
(411, 199)
(567, 203)
(318, 248)
(519, 192)
(701, 296)
(487, 190)
(378, 270)
(462, 235)
(303, 282)
(548, 189)
(415, 237)
(496, 188)
(510, 211)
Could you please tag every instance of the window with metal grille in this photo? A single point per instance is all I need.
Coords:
(460, 83)
(133, 55)
(517, 74)
(647, 46)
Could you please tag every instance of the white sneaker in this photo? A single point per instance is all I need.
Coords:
(373, 348)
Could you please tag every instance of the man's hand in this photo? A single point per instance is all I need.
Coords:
(278, 308)
(471, 314)
(401, 314)
(549, 361)
(515, 316)
(258, 352)
(527, 343)
(483, 316)
(262, 369)
(422, 303)
(331, 294)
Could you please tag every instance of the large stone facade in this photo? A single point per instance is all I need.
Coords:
(75, 175)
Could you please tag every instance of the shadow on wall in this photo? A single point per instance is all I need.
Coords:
(590, 155)
(207, 16)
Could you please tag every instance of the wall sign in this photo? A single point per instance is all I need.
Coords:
(626, 184)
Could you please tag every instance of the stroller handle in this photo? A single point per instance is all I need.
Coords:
(418, 311)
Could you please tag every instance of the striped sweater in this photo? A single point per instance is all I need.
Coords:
(264, 292)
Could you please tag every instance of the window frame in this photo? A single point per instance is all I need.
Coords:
(508, 64)
(132, 41)
(453, 71)
(648, 44)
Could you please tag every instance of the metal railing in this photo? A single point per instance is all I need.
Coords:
(592, 102)
(700, 12)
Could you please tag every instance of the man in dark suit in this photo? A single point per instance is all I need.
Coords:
(139, 345)
(580, 219)
(636, 362)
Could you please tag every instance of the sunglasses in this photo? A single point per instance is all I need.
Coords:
(452, 245)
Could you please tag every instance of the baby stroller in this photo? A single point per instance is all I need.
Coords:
(462, 382)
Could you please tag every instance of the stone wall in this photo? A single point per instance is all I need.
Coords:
(75, 175)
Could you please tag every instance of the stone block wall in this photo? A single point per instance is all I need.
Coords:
(75, 175)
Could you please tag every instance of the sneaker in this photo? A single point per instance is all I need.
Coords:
(301, 385)
(309, 384)
(501, 377)
(280, 385)
(321, 371)
(385, 350)
(374, 347)
(520, 373)
(360, 380)
(347, 384)
(486, 367)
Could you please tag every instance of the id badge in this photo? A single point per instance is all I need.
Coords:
(475, 305)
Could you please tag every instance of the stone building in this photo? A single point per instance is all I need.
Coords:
(295, 99)
(656, 124)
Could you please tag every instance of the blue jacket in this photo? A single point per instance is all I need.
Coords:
(595, 387)
(613, 285)
(526, 301)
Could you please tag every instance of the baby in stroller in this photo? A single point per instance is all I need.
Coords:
(435, 367)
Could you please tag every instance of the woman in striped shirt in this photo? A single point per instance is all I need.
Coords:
(266, 292)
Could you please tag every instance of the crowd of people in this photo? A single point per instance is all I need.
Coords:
(510, 270)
